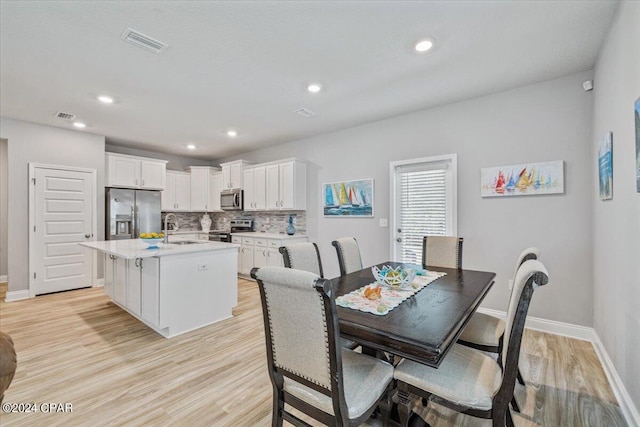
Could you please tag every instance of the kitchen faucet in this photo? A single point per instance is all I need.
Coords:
(166, 230)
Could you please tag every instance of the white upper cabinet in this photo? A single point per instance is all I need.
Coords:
(286, 186)
(255, 188)
(232, 173)
(215, 187)
(201, 195)
(176, 196)
(135, 172)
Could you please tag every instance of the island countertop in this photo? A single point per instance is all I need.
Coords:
(135, 248)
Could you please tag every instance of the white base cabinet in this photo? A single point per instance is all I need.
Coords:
(175, 294)
(261, 252)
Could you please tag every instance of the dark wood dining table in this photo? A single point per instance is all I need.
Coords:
(423, 327)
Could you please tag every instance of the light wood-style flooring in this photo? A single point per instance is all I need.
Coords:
(78, 347)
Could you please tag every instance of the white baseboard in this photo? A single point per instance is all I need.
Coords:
(3, 278)
(584, 333)
(627, 406)
(98, 283)
(17, 295)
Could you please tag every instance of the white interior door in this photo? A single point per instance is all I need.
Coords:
(62, 215)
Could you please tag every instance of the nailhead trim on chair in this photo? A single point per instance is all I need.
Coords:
(326, 342)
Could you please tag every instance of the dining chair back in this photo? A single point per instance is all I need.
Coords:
(348, 252)
(467, 380)
(308, 369)
(442, 251)
(302, 256)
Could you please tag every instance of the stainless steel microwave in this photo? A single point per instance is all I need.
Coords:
(231, 200)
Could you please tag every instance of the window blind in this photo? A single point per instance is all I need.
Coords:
(423, 209)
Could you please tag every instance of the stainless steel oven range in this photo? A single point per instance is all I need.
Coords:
(236, 226)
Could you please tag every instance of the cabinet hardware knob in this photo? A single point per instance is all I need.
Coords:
(87, 235)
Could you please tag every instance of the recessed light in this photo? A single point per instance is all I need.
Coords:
(314, 87)
(79, 125)
(424, 45)
(105, 99)
(232, 133)
(191, 147)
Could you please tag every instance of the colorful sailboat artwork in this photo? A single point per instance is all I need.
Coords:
(529, 179)
(348, 198)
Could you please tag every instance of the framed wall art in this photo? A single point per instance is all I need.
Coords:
(605, 167)
(637, 114)
(526, 179)
(348, 198)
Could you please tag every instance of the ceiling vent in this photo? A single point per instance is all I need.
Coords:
(145, 42)
(65, 116)
(305, 113)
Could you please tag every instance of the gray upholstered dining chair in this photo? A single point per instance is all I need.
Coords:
(306, 256)
(485, 332)
(467, 380)
(308, 369)
(348, 252)
(302, 256)
(442, 251)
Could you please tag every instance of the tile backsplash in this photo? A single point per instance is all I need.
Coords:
(270, 222)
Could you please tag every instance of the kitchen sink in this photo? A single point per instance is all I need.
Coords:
(185, 242)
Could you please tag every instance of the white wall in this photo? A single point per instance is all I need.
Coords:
(545, 121)
(4, 241)
(30, 142)
(616, 267)
(176, 163)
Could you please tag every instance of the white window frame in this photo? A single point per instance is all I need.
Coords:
(452, 193)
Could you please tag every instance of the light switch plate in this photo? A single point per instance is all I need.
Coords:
(384, 222)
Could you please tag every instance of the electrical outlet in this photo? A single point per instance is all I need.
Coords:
(202, 267)
(510, 284)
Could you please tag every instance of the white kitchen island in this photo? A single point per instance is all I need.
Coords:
(174, 289)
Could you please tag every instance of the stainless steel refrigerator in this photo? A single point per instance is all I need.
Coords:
(131, 212)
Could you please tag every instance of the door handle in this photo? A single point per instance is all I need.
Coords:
(87, 235)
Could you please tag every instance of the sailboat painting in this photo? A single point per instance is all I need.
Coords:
(523, 180)
(348, 198)
(605, 168)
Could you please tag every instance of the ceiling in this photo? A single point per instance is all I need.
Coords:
(246, 65)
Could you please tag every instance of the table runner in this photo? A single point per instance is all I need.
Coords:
(390, 298)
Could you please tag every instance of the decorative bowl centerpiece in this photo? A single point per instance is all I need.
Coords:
(395, 278)
(152, 239)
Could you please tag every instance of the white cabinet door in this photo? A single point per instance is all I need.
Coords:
(120, 281)
(238, 241)
(246, 253)
(151, 291)
(287, 185)
(183, 192)
(226, 176)
(236, 175)
(123, 171)
(152, 175)
(134, 285)
(200, 189)
(259, 188)
(272, 187)
(108, 275)
(168, 195)
(259, 256)
(274, 258)
(215, 187)
(249, 194)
